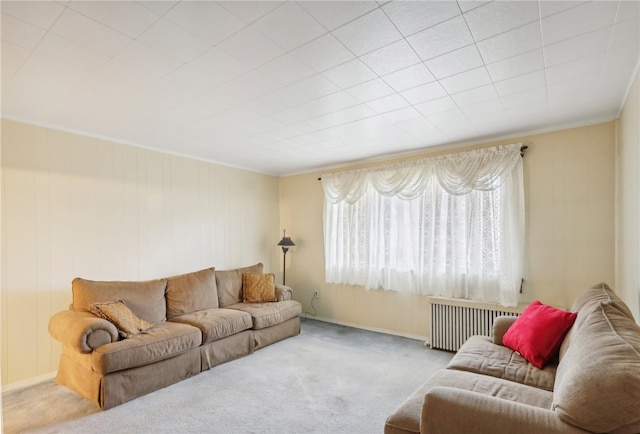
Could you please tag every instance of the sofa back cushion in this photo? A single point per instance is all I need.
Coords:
(191, 292)
(584, 304)
(229, 283)
(598, 380)
(144, 298)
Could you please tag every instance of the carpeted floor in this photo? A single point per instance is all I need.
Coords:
(329, 379)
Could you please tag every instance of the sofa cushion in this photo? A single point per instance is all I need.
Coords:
(164, 340)
(117, 313)
(538, 332)
(216, 323)
(144, 298)
(229, 283)
(269, 314)
(258, 288)
(600, 293)
(407, 417)
(585, 302)
(478, 354)
(190, 292)
(598, 380)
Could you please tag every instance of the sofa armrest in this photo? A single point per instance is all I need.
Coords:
(82, 331)
(452, 411)
(283, 292)
(500, 326)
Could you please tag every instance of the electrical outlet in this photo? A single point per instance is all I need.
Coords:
(316, 294)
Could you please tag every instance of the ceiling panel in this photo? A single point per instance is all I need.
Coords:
(288, 87)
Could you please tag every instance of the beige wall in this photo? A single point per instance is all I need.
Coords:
(80, 206)
(628, 201)
(569, 187)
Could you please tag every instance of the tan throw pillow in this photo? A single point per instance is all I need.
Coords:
(259, 288)
(120, 315)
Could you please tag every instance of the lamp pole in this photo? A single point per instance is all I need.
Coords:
(285, 242)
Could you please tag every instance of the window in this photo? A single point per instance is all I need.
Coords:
(450, 226)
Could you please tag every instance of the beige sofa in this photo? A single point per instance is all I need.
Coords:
(199, 321)
(594, 386)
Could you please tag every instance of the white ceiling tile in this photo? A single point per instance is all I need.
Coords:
(626, 37)
(575, 48)
(499, 17)
(409, 77)
(370, 90)
(628, 10)
(50, 71)
(323, 53)
(391, 58)
(349, 74)
(147, 59)
(304, 127)
(467, 5)
(40, 14)
(173, 40)
(454, 117)
(411, 17)
(249, 11)
(207, 20)
(474, 96)
(357, 35)
(188, 79)
(84, 31)
(579, 20)
(402, 115)
(575, 68)
(334, 14)
(455, 62)
(71, 53)
(426, 92)
(478, 109)
(160, 7)
(127, 17)
(251, 48)
(220, 65)
(388, 103)
(436, 106)
(517, 65)
(533, 96)
(553, 7)
(521, 83)
(512, 43)
(12, 59)
(286, 70)
(117, 74)
(582, 89)
(467, 80)
(309, 89)
(289, 26)
(20, 33)
(327, 104)
(345, 116)
(442, 38)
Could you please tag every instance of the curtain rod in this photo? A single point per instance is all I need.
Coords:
(523, 148)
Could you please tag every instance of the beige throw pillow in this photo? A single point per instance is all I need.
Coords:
(117, 312)
(259, 288)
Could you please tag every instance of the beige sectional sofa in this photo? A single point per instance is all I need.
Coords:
(199, 320)
(593, 386)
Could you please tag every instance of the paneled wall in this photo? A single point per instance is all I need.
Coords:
(570, 237)
(79, 206)
(628, 201)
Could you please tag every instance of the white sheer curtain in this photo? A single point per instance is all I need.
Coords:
(450, 226)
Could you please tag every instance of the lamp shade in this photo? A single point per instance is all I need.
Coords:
(286, 242)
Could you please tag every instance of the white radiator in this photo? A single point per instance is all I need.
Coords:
(453, 321)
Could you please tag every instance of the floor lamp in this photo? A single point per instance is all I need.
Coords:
(285, 242)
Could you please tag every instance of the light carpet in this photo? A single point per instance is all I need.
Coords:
(329, 379)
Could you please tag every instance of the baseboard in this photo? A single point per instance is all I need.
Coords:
(28, 382)
(425, 339)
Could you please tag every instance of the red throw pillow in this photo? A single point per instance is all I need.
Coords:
(538, 332)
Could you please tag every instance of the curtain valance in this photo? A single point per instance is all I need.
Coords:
(457, 173)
